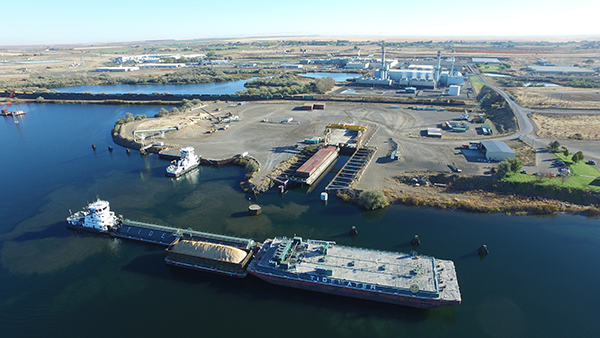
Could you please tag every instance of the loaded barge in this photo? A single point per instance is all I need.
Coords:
(322, 266)
(389, 277)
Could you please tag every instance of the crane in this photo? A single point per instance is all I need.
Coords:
(5, 110)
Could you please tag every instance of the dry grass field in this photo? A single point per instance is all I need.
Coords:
(567, 126)
(549, 97)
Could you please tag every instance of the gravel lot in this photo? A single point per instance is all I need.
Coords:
(274, 142)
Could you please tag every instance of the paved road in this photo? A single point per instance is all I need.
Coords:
(527, 130)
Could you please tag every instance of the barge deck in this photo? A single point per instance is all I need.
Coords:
(165, 235)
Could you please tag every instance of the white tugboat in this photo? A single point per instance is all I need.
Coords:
(96, 217)
(187, 162)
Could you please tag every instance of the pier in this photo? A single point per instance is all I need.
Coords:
(352, 170)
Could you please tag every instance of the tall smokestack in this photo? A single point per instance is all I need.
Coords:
(437, 68)
(452, 68)
(382, 69)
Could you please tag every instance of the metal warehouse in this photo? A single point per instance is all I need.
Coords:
(497, 151)
(491, 61)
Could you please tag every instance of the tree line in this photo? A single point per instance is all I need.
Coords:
(287, 84)
(44, 83)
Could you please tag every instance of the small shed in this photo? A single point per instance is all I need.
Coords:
(319, 105)
(308, 106)
(497, 150)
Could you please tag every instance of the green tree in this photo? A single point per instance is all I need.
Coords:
(578, 156)
(372, 199)
(503, 169)
(515, 165)
(565, 150)
(554, 146)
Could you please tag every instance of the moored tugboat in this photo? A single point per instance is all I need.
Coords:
(188, 161)
(96, 217)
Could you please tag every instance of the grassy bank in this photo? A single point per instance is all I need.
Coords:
(477, 84)
(487, 194)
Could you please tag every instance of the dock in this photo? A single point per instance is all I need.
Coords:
(352, 171)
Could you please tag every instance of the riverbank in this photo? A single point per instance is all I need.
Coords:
(486, 194)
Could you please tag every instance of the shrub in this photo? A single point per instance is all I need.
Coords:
(162, 112)
(578, 156)
(252, 166)
(503, 168)
(372, 199)
(554, 146)
(128, 118)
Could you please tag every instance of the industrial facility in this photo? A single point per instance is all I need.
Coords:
(414, 75)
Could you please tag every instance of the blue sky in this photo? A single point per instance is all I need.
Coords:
(70, 21)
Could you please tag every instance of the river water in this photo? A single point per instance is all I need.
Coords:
(540, 279)
(228, 87)
(337, 77)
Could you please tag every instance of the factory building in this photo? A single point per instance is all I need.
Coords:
(146, 58)
(489, 61)
(415, 75)
(291, 66)
(497, 151)
(214, 62)
(454, 90)
(421, 67)
(456, 79)
(414, 78)
(370, 81)
(163, 65)
(117, 69)
(357, 65)
(560, 70)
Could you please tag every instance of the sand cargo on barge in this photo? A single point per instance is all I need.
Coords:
(390, 277)
(209, 257)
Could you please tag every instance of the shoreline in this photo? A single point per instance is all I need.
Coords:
(472, 194)
(453, 194)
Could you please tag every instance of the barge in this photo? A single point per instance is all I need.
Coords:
(315, 265)
(310, 171)
(98, 218)
(390, 277)
(209, 257)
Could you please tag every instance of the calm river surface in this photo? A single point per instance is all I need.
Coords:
(540, 279)
(228, 87)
